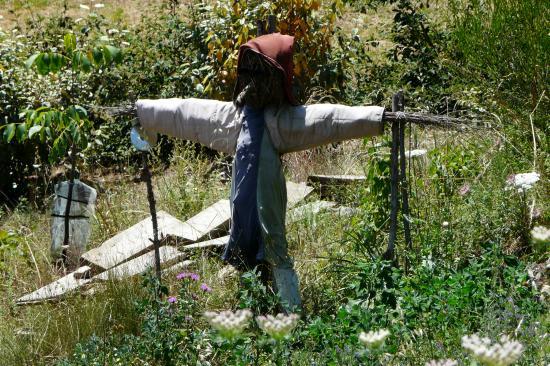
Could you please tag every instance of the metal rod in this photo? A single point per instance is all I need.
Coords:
(146, 176)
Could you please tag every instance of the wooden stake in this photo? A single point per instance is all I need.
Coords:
(394, 182)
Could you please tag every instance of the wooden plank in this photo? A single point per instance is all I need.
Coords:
(336, 179)
(311, 208)
(213, 243)
(135, 241)
(296, 192)
(130, 243)
(178, 266)
(168, 255)
(332, 186)
(208, 221)
(59, 288)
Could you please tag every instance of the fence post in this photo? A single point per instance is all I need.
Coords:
(394, 178)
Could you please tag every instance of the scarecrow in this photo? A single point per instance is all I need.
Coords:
(262, 123)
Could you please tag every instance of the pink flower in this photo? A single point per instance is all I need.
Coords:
(464, 190)
(205, 288)
(172, 299)
(193, 276)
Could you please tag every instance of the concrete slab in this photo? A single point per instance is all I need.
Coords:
(59, 288)
(168, 255)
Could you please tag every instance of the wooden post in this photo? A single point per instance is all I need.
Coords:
(403, 177)
(260, 26)
(146, 176)
(271, 24)
(394, 181)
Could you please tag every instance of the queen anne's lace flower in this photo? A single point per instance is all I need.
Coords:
(523, 181)
(447, 362)
(540, 234)
(229, 324)
(483, 350)
(374, 339)
(278, 326)
(415, 153)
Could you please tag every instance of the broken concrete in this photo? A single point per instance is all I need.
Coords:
(168, 255)
(57, 289)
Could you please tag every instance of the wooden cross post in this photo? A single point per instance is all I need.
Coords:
(398, 177)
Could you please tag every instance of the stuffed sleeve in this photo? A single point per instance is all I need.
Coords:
(295, 128)
(209, 122)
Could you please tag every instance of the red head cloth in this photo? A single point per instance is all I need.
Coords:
(277, 49)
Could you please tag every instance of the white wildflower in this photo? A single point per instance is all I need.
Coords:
(278, 326)
(540, 234)
(1, 17)
(229, 324)
(483, 350)
(447, 362)
(112, 31)
(545, 292)
(523, 181)
(445, 223)
(85, 7)
(374, 339)
(415, 153)
(427, 262)
(125, 44)
(99, 6)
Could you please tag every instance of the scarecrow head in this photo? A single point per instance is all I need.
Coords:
(265, 71)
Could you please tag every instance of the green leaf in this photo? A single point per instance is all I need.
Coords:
(30, 61)
(97, 55)
(43, 63)
(56, 62)
(107, 55)
(69, 40)
(34, 129)
(86, 64)
(114, 52)
(20, 133)
(9, 132)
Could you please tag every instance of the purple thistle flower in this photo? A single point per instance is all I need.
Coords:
(182, 275)
(172, 299)
(205, 288)
(194, 276)
(464, 190)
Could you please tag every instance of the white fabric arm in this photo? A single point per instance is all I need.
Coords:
(210, 122)
(303, 127)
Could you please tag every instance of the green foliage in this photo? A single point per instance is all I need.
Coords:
(505, 44)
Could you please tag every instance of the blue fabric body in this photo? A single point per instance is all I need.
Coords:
(246, 247)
